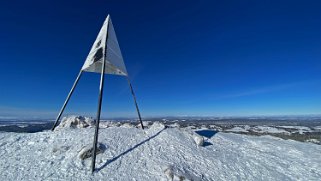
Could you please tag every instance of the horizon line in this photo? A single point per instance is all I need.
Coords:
(170, 116)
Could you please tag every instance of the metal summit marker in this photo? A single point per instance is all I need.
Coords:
(105, 58)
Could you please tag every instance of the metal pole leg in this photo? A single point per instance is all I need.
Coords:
(137, 109)
(66, 101)
(93, 161)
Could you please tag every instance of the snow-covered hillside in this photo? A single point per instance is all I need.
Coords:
(156, 153)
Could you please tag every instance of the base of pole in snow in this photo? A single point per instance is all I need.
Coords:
(101, 89)
(93, 161)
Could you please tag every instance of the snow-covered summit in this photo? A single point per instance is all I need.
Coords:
(156, 153)
(75, 122)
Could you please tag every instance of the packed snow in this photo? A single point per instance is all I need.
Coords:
(156, 153)
(237, 129)
(263, 129)
(299, 129)
(268, 129)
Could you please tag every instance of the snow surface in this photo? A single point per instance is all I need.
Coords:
(268, 129)
(75, 122)
(299, 129)
(318, 128)
(237, 129)
(313, 141)
(296, 127)
(155, 154)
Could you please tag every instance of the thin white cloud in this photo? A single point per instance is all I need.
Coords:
(266, 89)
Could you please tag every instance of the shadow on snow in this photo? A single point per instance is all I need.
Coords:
(207, 134)
(129, 150)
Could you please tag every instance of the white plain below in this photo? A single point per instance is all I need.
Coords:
(134, 154)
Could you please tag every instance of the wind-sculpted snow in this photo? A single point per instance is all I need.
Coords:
(75, 122)
(156, 153)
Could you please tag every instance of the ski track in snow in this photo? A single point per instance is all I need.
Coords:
(135, 154)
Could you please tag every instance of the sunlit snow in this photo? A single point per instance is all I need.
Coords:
(156, 153)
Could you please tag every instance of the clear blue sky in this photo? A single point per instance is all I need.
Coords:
(206, 58)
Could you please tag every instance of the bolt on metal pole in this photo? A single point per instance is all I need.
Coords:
(66, 101)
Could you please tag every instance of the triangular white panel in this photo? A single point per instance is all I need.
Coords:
(114, 55)
(106, 48)
(97, 50)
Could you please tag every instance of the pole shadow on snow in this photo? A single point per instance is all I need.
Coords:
(129, 150)
(207, 134)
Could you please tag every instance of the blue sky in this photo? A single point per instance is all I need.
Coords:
(203, 58)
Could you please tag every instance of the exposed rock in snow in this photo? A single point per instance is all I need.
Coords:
(175, 125)
(169, 173)
(237, 129)
(58, 150)
(75, 122)
(268, 129)
(191, 127)
(175, 174)
(86, 152)
(146, 124)
(199, 140)
(297, 129)
(127, 125)
(317, 128)
(313, 141)
(107, 124)
(215, 127)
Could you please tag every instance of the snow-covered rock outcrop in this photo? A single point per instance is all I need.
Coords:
(75, 122)
(199, 140)
(175, 174)
(86, 151)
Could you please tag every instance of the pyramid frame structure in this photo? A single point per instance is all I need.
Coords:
(105, 58)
